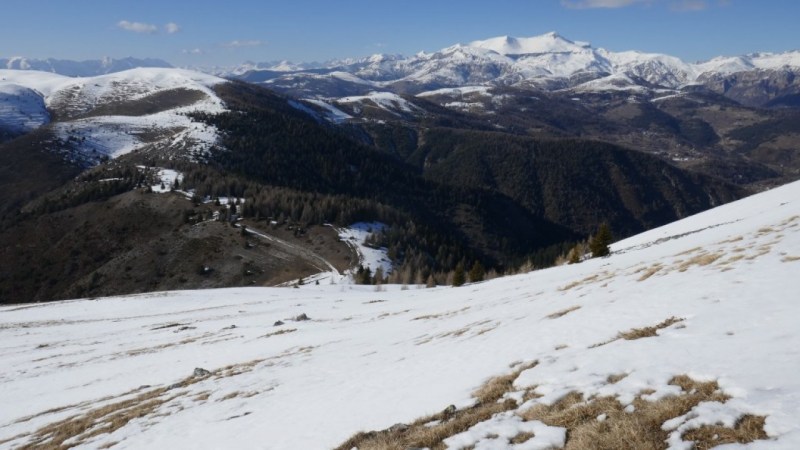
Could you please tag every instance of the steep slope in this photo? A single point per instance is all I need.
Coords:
(578, 184)
(686, 333)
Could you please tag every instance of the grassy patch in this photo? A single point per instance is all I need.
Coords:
(639, 333)
(641, 428)
(650, 271)
(105, 419)
(702, 259)
(747, 429)
(563, 312)
(279, 332)
(441, 315)
(431, 431)
(521, 438)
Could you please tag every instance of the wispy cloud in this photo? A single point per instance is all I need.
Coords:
(610, 4)
(137, 27)
(172, 28)
(245, 43)
(193, 51)
(689, 5)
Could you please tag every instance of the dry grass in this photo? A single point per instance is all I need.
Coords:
(639, 333)
(588, 279)
(790, 258)
(702, 259)
(431, 431)
(158, 348)
(650, 271)
(441, 315)
(203, 396)
(239, 394)
(237, 369)
(616, 378)
(747, 429)
(105, 419)
(688, 252)
(279, 332)
(521, 438)
(640, 429)
(563, 312)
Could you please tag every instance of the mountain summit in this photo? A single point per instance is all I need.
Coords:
(547, 43)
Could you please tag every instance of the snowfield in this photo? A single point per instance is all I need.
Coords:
(244, 368)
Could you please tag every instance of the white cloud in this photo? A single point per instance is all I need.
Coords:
(246, 43)
(587, 4)
(137, 27)
(172, 28)
(193, 51)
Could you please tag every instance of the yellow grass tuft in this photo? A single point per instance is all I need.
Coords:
(747, 429)
(563, 312)
(639, 333)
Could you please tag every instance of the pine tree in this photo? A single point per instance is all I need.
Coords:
(476, 273)
(601, 241)
(458, 276)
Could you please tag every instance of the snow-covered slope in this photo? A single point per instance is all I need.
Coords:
(21, 109)
(123, 370)
(105, 114)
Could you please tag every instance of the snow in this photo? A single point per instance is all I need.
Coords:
(166, 178)
(463, 90)
(334, 114)
(21, 109)
(619, 82)
(495, 433)
(384, 100)
(368, 359)
(546, 43)
(369, 257)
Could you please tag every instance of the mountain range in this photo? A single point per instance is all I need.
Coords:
(490, 162)
(548, 62)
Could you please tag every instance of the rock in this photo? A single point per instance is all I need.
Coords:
(230, 327)
(397, 428)
(174, 386)
(277, 323)
(302, 317)
(200, 372)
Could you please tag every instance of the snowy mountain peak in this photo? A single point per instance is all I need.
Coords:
(547, 43)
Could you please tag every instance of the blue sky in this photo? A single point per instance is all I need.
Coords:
(228, 32)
